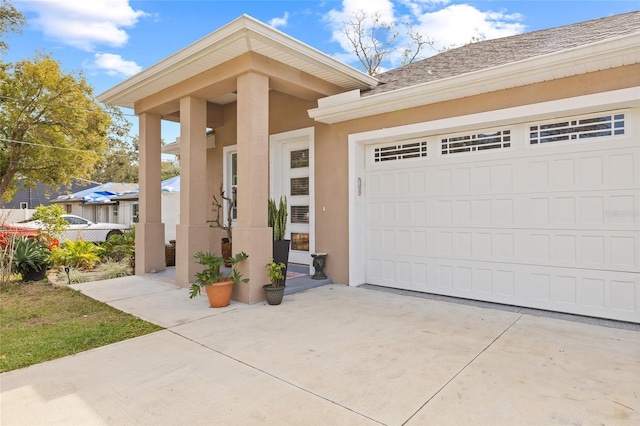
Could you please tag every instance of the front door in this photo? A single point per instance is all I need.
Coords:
(292, 155)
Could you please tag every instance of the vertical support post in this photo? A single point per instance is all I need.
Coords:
(252, 235)
(192, 233)
(149, 229)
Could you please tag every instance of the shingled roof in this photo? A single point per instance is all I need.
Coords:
(496, 52)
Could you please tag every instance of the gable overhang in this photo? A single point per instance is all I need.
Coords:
(243, 38)
(611, 53)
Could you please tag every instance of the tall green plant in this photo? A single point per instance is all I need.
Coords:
(278, 218)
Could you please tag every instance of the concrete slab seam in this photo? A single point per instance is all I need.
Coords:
(213, 314)
(463, 368)
(278, 378)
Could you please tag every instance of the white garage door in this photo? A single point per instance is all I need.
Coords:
(541, 214)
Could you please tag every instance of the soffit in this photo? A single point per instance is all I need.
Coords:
(237, 38)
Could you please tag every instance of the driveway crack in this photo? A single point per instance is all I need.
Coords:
(280, 379)
(464, 367)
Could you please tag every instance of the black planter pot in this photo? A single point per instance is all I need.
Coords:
(281, 254)
(274, 295)
(34, 275)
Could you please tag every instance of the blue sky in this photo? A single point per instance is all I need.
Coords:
(110, 40)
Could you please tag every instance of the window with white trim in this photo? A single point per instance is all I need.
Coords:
(230, 181)
(474, 142)
(576, 128)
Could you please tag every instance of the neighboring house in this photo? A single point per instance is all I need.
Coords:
(96, 203)
(30, 198)
(129, 207)
(505, 170)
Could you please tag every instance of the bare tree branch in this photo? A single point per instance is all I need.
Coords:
(373, 40)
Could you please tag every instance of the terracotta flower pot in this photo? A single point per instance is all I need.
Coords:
(219, 293)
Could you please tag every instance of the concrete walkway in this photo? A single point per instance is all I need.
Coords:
(332, 355)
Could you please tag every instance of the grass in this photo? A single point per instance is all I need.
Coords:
(41, 322)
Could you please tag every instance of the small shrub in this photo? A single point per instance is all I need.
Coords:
(76, 276)
(76, 254)
(111, 269)
(6, 261)
(53, 225)
(120, 246)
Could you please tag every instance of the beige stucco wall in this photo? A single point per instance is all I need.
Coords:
(285, 113)
(331, 145)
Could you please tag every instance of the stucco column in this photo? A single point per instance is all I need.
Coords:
(193, 231)
(252, 235)
(149, 229)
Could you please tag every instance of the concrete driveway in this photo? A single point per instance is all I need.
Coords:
(330, 356)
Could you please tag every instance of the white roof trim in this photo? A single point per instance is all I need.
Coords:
(620, 51)
(245, 34)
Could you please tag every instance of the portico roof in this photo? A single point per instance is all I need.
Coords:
(239, 37)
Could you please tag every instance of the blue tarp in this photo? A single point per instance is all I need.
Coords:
(171, 185)
(99, 194)
(99, 197)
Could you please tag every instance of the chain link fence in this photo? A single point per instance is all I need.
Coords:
(94, 235)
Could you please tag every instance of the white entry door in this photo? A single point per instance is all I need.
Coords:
(292, 177)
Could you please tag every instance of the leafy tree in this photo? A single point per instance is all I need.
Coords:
(51, 129)
(119, 164)
(372, 40)
(169, 169)
(11, 20)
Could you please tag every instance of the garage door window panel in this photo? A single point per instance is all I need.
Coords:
(400, 151)
(477, 141)
(576, 128)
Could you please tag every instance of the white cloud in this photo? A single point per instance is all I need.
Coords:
(114, 65)
(417, 7)
(447, 24)
(85, 24)
(457, 24)
(280, 22)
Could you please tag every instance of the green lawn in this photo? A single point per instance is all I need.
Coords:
(40, 322)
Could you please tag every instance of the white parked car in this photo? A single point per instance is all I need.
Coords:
(81, 228)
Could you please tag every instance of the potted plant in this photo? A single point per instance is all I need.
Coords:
(30, 259)
(217, 283)
(275, 291)
(278, 222)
